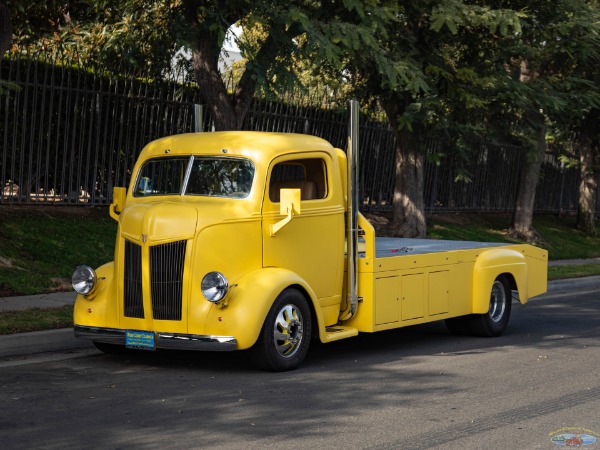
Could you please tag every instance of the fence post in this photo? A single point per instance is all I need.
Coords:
(198, 118)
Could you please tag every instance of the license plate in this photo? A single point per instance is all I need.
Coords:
(142, 340)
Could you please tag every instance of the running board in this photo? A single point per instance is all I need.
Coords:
(338, 332)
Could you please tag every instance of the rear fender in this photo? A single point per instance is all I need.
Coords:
(488, 266)
(249, 302)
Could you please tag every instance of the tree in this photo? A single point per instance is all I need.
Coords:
(328, 31)
(430, 43)
(143, 36)
(586, 126)
(546, 86)
(589, 149)
(131, 36)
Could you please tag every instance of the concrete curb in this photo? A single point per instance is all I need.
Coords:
(63, 339)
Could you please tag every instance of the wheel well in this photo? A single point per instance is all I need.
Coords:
(511, 281)
(313, 314)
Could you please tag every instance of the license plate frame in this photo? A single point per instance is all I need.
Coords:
(140, 340)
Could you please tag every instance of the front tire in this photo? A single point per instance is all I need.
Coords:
(285, 336)
(494, 322)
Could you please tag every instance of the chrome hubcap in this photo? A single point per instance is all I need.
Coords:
(288, 330)
(497, 302)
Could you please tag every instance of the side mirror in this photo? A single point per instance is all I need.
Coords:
(119, 196)
(289, 205)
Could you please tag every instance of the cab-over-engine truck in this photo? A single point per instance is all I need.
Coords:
(250, 240)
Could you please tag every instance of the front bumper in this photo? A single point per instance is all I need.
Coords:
(163, 340)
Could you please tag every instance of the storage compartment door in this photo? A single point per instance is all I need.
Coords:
(438, 292)
(413, 298)
(387, 296)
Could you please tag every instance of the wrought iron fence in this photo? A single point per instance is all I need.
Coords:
(69, 134)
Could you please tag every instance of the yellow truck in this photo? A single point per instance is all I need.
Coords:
(250, 240)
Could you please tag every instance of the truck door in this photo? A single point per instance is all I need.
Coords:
(311, 245)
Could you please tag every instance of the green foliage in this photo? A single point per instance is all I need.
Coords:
(119, 35)
(458, 14)
(6, 87)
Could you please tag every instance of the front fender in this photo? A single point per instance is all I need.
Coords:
(488, 266)
(100, 308)
(249, 302)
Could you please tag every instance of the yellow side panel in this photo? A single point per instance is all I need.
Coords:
(387, 300)
(309, 246)
(439, 292)
(413, 296)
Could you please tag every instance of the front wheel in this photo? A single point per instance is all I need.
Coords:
(494, 322)
(285, 336)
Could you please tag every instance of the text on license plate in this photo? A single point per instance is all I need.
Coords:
(143, 340)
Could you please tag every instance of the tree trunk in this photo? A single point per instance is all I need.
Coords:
(227, 109)
(205, 60)
(586, 220)
(522, 221)
(5, 30)
(408, 218)
(586, 213)
(408, 204)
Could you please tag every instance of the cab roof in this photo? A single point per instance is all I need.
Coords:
(255, 145)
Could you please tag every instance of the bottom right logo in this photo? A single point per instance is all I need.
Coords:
(574, 437)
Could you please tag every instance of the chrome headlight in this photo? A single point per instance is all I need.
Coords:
(214, 286)
(84, 280)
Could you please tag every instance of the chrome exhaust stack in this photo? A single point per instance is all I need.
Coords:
(352, 214)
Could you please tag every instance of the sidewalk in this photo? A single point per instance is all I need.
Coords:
(54, 300)
(63, 339)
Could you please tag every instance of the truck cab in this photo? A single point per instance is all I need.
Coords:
(200, 220)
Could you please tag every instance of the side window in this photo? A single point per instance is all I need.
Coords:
(308, 175)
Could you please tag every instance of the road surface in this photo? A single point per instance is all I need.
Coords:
(417, 387)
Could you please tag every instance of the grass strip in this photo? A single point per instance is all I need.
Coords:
(564, 272)
(36, 319)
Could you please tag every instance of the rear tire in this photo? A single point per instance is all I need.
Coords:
(494, 322)
(285, 336)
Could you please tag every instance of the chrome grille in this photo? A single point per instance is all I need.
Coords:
(133, 301)
(166, 275)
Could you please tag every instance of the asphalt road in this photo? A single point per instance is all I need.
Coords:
(414, 388)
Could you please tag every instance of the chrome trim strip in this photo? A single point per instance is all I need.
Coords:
(197, 342)
(186, 177)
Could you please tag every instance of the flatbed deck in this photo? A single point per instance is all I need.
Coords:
(386, 247)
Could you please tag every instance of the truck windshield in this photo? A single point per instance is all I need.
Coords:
(204, 176)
